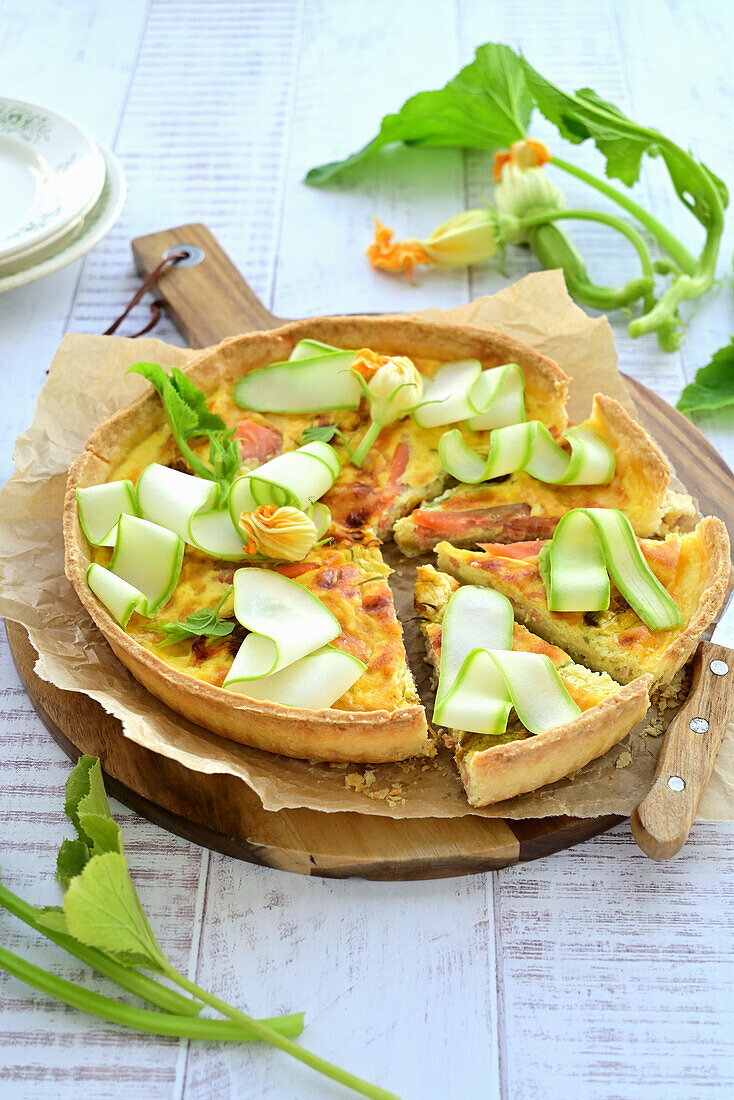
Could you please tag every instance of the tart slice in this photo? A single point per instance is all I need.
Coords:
(693, 568)
(519, 507)
(496, 767)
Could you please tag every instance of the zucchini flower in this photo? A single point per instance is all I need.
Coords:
(526, 193)
(285, 534)
(467, 238)
(529, 153)
(392, 392)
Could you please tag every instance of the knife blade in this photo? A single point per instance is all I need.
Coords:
(723, 633)
(662, 821)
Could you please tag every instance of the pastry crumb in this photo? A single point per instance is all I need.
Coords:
(365, 784)
(624, 759)
(670, 696)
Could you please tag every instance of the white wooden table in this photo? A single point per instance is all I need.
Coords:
(592, 974)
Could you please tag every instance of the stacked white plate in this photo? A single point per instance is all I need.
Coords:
(61, 192)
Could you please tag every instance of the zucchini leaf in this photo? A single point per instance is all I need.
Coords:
(584, 115)
(487, 106)
(713, 386)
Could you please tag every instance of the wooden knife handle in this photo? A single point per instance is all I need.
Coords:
(208, 301)
(662, 821)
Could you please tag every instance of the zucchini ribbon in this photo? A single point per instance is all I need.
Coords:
(530, 447)
(285, 658)
(481, 678)
(589, 546)
(318, 378)
(461, 390)
(315, 378)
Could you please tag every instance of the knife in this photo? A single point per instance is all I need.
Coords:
(662, 821)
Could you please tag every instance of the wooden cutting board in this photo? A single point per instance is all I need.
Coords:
(208, 301)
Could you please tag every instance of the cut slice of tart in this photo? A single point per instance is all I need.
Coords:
(693, 568)
(496, 767)
(519, 507)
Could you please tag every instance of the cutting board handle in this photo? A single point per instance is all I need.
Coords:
(207, 300)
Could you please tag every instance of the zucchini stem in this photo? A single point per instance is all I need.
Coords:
(678, 252)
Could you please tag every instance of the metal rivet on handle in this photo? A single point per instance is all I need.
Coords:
(676, 783)
(699, 725)
(719, 668)
(194, 254)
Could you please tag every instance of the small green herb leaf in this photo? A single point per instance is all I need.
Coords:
(202, 623)
(321, 433)
(324, 433)
(713, 386)
(189, 417)
(206, 421)
(225, 459)
(487, 106)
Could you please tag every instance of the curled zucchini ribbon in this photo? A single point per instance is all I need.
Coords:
(297, 478)
(315, 378)
(589, 546)
(530, 446)
(286, 658)
(481, 678)
(143, 572)
(100, 507)
(186, 505)
(486, 399)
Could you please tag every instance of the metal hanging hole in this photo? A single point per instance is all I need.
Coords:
(193, 255)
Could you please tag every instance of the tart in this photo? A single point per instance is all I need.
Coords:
(519, 507)
(381, 718)
(692, 567)
(376, 715)
(497, 767)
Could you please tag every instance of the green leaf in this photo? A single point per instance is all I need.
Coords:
(87, 808)
(85, 794)
(584, 115)
(487, 106)
(206, 421)
(205, 622)
(225, 459)
(103, 910)
(189, 417)
(713, 386)
(78, 787)
(321, 433)
(72, 858)
(53, 918)
(181, 417)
